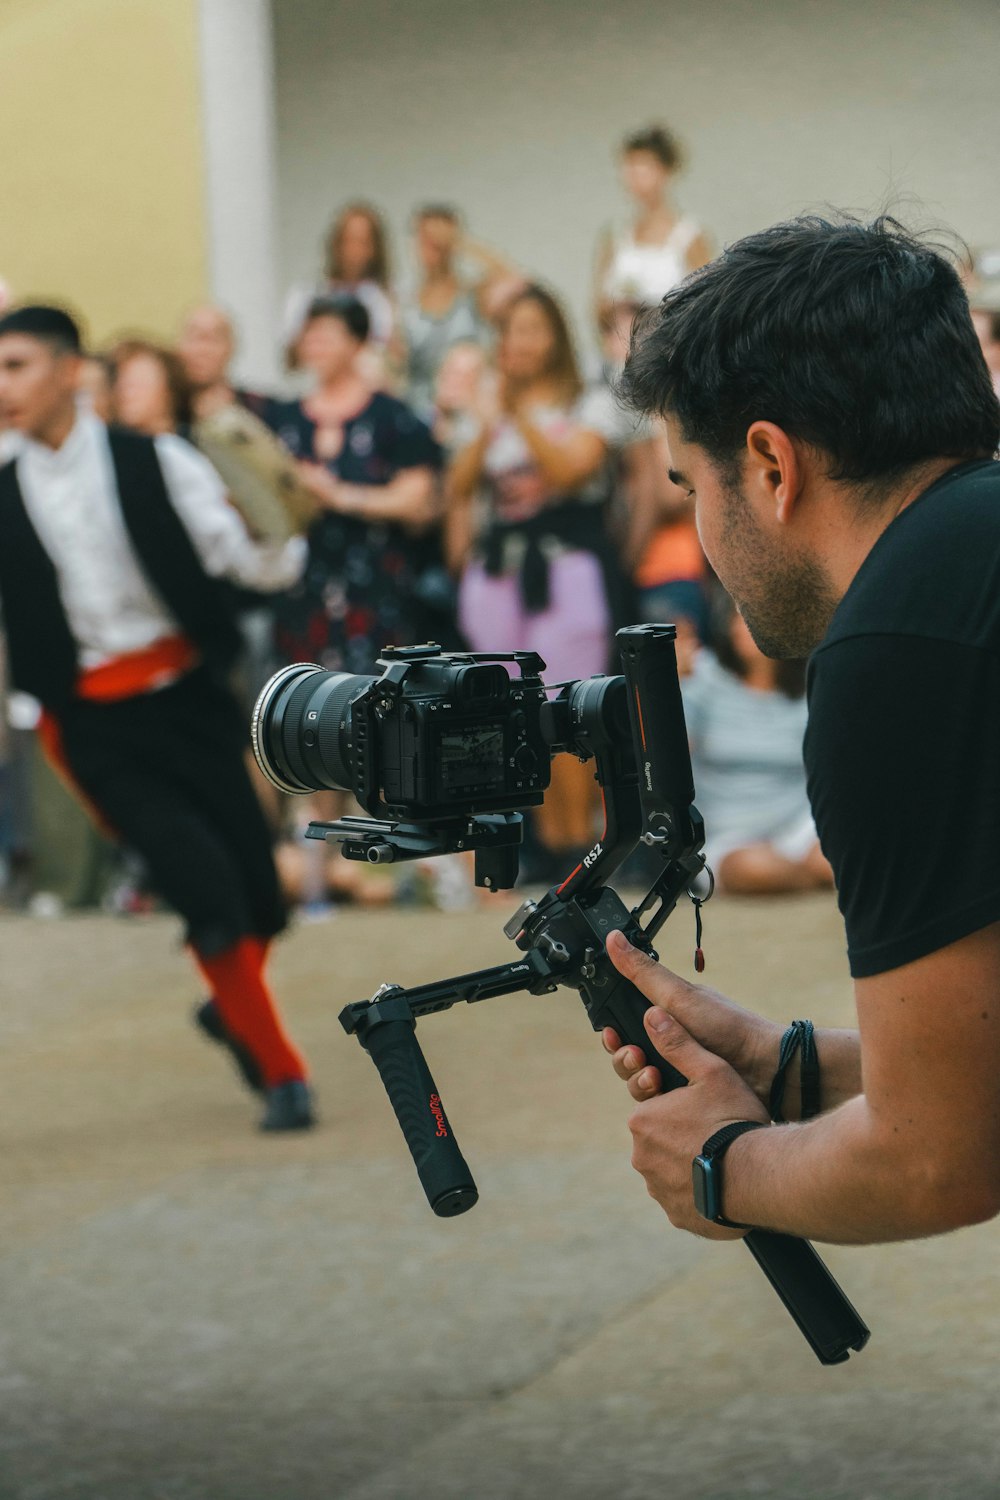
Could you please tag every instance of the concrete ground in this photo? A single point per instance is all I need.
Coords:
(194, 1312)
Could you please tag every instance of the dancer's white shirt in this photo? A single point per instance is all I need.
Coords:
(71, 497)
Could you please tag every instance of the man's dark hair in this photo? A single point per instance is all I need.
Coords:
(855, 338)
(52, 325)
(349, 310)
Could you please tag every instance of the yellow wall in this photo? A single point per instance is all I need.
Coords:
(101, 170)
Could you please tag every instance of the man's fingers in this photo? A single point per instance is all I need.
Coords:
(627, 1061)
(631, 1066)
(644, 1085)
(610, 1040)
(650, 978)
(678, 1046)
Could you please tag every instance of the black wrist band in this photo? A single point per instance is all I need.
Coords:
(799, 1034)
(706, 1171)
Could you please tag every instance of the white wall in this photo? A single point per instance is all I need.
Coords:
(511, 109)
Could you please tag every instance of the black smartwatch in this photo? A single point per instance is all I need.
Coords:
(706, 1170)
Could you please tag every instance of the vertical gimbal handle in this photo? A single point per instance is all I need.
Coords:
(824, 1315)
(389, 1037)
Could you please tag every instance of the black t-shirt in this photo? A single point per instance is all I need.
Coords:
(903, 745)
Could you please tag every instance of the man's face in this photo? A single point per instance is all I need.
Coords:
(37, 384)
(780, 590)
(205, 347)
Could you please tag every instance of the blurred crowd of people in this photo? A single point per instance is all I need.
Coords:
(461, 476)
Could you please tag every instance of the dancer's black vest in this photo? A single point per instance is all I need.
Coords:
(41, 651)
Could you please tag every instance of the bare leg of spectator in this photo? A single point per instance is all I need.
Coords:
(760, 870)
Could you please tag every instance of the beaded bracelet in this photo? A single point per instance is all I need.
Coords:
(799, 1034)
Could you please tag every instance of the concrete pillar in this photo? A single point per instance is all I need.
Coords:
(237, 75)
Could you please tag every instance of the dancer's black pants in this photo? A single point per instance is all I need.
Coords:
(166, 770)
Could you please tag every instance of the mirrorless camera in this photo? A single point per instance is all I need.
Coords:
(434, 737)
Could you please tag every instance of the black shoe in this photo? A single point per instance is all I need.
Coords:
(208, 1020)
(289, 1106)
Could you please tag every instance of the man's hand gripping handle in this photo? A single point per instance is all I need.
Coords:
(824, 1316)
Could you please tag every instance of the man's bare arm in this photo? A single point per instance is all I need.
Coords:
(917, 1153)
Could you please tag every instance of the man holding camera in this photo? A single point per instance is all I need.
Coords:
(829, 411)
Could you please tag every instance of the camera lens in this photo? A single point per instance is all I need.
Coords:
(301, 728)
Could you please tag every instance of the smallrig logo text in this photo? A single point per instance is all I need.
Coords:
(438, 1113)
(649, 776)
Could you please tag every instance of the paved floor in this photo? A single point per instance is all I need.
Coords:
(193, 1312)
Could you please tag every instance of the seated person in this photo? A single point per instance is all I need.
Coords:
(746, 717)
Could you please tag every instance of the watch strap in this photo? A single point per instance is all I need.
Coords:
(718, 1144)
(707, 1162)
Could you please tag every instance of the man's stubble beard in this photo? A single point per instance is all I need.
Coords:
(786, 600)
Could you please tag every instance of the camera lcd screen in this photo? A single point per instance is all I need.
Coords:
(472, 757)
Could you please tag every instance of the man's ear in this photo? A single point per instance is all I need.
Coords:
(773, 469)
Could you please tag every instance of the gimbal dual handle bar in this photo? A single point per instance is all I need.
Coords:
(823, 1313)
(385, 1027)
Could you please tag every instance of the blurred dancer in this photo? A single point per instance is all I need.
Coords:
(639, 262)
(114, 547)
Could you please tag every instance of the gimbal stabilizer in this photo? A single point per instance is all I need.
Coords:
(646, 783)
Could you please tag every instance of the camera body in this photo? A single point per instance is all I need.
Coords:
(437, 737)
(446, 737)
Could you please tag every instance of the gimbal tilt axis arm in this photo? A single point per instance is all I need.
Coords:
(563, 938)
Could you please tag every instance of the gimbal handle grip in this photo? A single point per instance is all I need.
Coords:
(825, 1316)
(391, 1042)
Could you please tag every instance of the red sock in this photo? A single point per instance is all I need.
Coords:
(262, 950)
(247, 1008)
